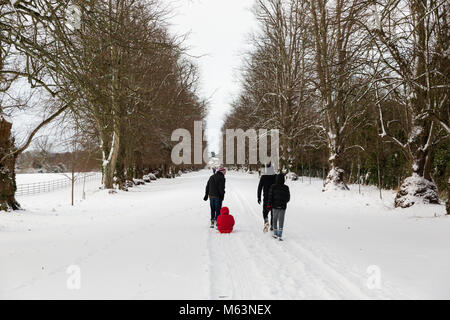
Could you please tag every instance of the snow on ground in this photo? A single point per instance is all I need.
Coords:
(154, 242)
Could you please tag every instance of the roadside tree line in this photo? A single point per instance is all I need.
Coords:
(108, 72)
(358, 89)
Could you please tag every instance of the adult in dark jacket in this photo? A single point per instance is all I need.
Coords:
(215, 190)
(279, 196)
(265, 182)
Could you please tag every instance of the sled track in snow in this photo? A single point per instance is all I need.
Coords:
(228, 258)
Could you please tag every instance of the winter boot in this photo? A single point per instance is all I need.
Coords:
(212, 224)
(275, 234)
(280, 232)
(266, 227)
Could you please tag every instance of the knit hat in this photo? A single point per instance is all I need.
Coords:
(222, 169)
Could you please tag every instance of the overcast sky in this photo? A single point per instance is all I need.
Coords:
(219, 31)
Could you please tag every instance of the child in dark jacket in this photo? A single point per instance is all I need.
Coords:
(279, 196)
(225, 221)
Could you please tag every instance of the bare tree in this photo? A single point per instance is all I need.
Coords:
(340, 51)
(412, 43)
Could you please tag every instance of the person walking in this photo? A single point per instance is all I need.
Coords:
(265, 182)
(279, 196)
(215, 191)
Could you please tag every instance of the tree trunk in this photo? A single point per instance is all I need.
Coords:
(448, 195)
(130, 173)
(378, 167)
(164, 170)
(120, 170)
(138, 165)
(73, 184)
(7, 169)
(109, 164)
(350, 177)
(335, 177)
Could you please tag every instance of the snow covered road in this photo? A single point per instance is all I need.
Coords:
(154, 242)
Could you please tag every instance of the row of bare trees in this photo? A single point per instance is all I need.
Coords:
(107, 70)
(354, 78)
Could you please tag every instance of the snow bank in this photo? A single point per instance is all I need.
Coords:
(416, 189)
(335, 180)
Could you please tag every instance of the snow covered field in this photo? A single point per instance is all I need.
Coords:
(154, 242)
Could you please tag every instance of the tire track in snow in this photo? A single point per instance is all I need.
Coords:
(289, 277)
(242, 287)
(245, 267)
(325, 280)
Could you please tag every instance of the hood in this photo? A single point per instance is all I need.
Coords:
(268, 171)
(219, 173)
(280, 179)
(224, 211)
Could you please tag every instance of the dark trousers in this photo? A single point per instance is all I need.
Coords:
(215, 205)
(266, 213)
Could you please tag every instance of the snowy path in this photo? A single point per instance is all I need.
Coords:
(261, 267)
(154, 243)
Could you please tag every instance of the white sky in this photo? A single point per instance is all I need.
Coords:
(219, 32)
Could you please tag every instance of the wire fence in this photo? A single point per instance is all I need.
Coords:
(52, 185)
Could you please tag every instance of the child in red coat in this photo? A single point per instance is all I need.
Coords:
(225, 221)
